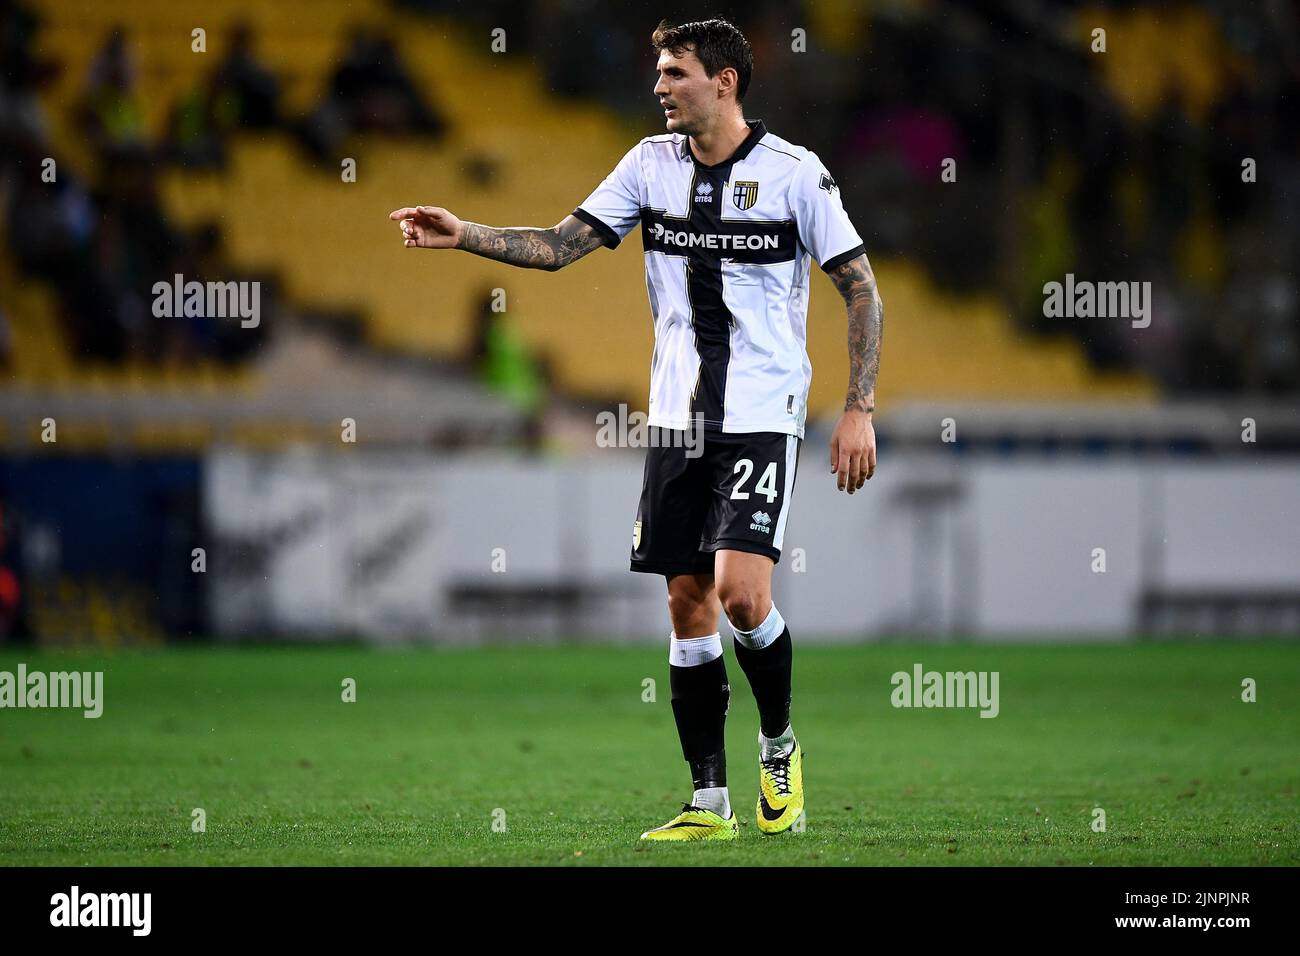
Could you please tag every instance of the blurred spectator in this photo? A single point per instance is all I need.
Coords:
(251, 88)
(110, 107)
(239, 93)
(502, 360)
(371, 90)
(198, 126)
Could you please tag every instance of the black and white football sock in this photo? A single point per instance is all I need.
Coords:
(698, 678)
(766, 655)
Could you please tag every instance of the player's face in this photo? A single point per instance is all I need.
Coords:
(688, 96)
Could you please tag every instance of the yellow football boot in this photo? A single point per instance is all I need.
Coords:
(780, 791)
(695, 824)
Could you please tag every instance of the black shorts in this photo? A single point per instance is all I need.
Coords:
(735, 494)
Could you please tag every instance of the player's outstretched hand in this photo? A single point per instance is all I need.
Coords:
(853, 450)
(427, 227)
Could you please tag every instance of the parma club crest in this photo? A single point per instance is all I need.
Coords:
(745, 195)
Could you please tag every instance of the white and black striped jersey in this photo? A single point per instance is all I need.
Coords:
(727, 251)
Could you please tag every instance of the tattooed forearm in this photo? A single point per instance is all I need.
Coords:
(857, 285)
(549, 249)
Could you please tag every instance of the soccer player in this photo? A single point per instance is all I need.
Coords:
(730, 215)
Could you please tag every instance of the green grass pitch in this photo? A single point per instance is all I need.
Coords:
(559, 740)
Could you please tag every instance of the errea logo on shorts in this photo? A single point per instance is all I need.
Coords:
(761, 522)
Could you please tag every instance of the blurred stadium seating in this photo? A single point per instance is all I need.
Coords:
(1103, 165)
(322, 239)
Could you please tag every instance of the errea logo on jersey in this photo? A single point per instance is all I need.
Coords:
(704, 192)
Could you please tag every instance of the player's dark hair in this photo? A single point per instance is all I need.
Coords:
(717, 43)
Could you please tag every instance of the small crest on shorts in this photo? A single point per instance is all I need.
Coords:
(745, 194)
(636, 535)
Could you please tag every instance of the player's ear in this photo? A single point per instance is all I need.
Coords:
(727, 78)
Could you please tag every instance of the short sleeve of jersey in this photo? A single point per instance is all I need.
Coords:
(824, 226)
(614, 208)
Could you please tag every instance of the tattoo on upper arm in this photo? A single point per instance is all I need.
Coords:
(549, 249)
(857, 285)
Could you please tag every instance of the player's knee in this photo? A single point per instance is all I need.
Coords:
(742, 605)
(689, 612)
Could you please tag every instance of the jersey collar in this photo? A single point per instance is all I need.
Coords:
(758, 131)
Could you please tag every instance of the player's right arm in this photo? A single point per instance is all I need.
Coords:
(604, 219)
(432, 227)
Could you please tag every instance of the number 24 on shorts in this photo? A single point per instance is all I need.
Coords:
(766, 481)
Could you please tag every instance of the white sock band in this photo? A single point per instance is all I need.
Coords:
(771, 746)
(764, 634)
(692, 651)
(715, 799)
